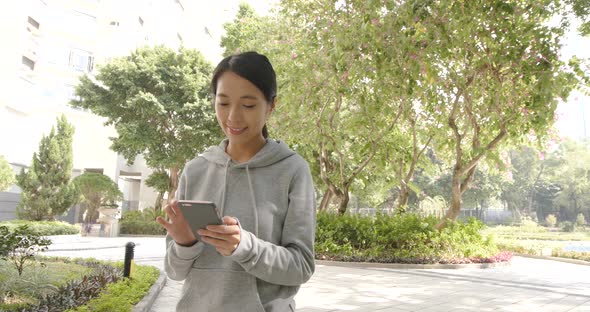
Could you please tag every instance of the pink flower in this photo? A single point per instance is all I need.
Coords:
(293, 55)
(375, 21)
(509, 176)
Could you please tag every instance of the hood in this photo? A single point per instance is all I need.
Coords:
(271, 153)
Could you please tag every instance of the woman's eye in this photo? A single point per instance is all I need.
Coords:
(249, 106)
(222, 104)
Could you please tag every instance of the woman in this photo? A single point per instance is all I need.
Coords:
(263, 252)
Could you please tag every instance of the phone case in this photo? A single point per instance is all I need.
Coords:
(199, 214)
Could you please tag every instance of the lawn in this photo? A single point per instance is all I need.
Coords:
(533, 239)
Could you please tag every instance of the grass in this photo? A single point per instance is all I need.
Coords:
(535, 233)
(38, 279)
(533, 239)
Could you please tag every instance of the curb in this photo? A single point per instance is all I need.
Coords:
(405, 266)
(559, 259)
(86, 248)
(145, 304)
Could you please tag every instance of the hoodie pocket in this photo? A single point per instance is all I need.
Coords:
(218, 291)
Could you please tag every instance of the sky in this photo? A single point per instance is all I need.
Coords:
(573, 115)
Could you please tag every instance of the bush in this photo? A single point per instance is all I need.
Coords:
(44, 228)
(551, 220)
(568, 226)
(124, 294)
(580, 220)
(37, 281)
(407, 238)
(79, 292)
(20, 246)
(141, 223)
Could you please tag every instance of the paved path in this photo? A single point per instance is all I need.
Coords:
(526, 285)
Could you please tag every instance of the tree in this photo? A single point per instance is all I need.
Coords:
(6, 174)
(495, 69)
(342, 73)
(160, 181)
(581, 9)
(158, 101)
(96, 190)
(570, 169)
(550, 220)
(526, 169)
(246, 26)
(46, 188)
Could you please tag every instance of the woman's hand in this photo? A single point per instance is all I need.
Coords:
(177, 227)
(225, 238)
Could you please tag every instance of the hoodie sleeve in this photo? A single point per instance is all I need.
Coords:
(179, 259)
(292, 262)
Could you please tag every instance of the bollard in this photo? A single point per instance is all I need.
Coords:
(128, 259)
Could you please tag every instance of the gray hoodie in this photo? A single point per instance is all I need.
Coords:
(272, 196)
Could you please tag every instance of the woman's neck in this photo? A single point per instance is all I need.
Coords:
(243, 152)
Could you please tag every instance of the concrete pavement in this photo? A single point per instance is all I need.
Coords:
(525, 285)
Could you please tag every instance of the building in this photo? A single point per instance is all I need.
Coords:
(48, 45)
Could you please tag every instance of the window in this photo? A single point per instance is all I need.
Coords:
(114, 23)
(28, 63)
(33, 22)
(71, 93)
(81, 60)
(94, 170)
(141, 21)
(179, 37)
(179, 4)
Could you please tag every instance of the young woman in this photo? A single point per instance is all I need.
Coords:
(263, 252)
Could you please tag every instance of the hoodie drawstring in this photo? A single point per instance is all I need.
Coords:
(224, 188)
(254, 207)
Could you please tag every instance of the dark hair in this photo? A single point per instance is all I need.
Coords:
(253, 67)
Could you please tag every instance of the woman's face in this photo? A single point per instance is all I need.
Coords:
(241, 109)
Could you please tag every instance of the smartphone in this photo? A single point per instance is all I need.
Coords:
(199, 214)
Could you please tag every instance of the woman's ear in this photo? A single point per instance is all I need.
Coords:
(273, 104)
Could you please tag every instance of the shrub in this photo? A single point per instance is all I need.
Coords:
(407, 238)
(20, 246)
(44, 228)
(35, 282)
(141, 222)
(568, 226)
(76, 293)
(551, 220)
(124, 294)
(580, 220)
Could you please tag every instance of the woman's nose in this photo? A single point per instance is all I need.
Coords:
(234, 114)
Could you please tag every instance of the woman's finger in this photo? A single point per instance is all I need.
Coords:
(224, 229)
(227, 220)
(163, 222)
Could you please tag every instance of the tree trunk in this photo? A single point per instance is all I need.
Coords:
(326, 200)
(172, 187)
(459, 186)
(344, 198)
(402, 198)
(532, 192)
(455, 205)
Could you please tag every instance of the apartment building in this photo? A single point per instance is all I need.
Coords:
(47, 46)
